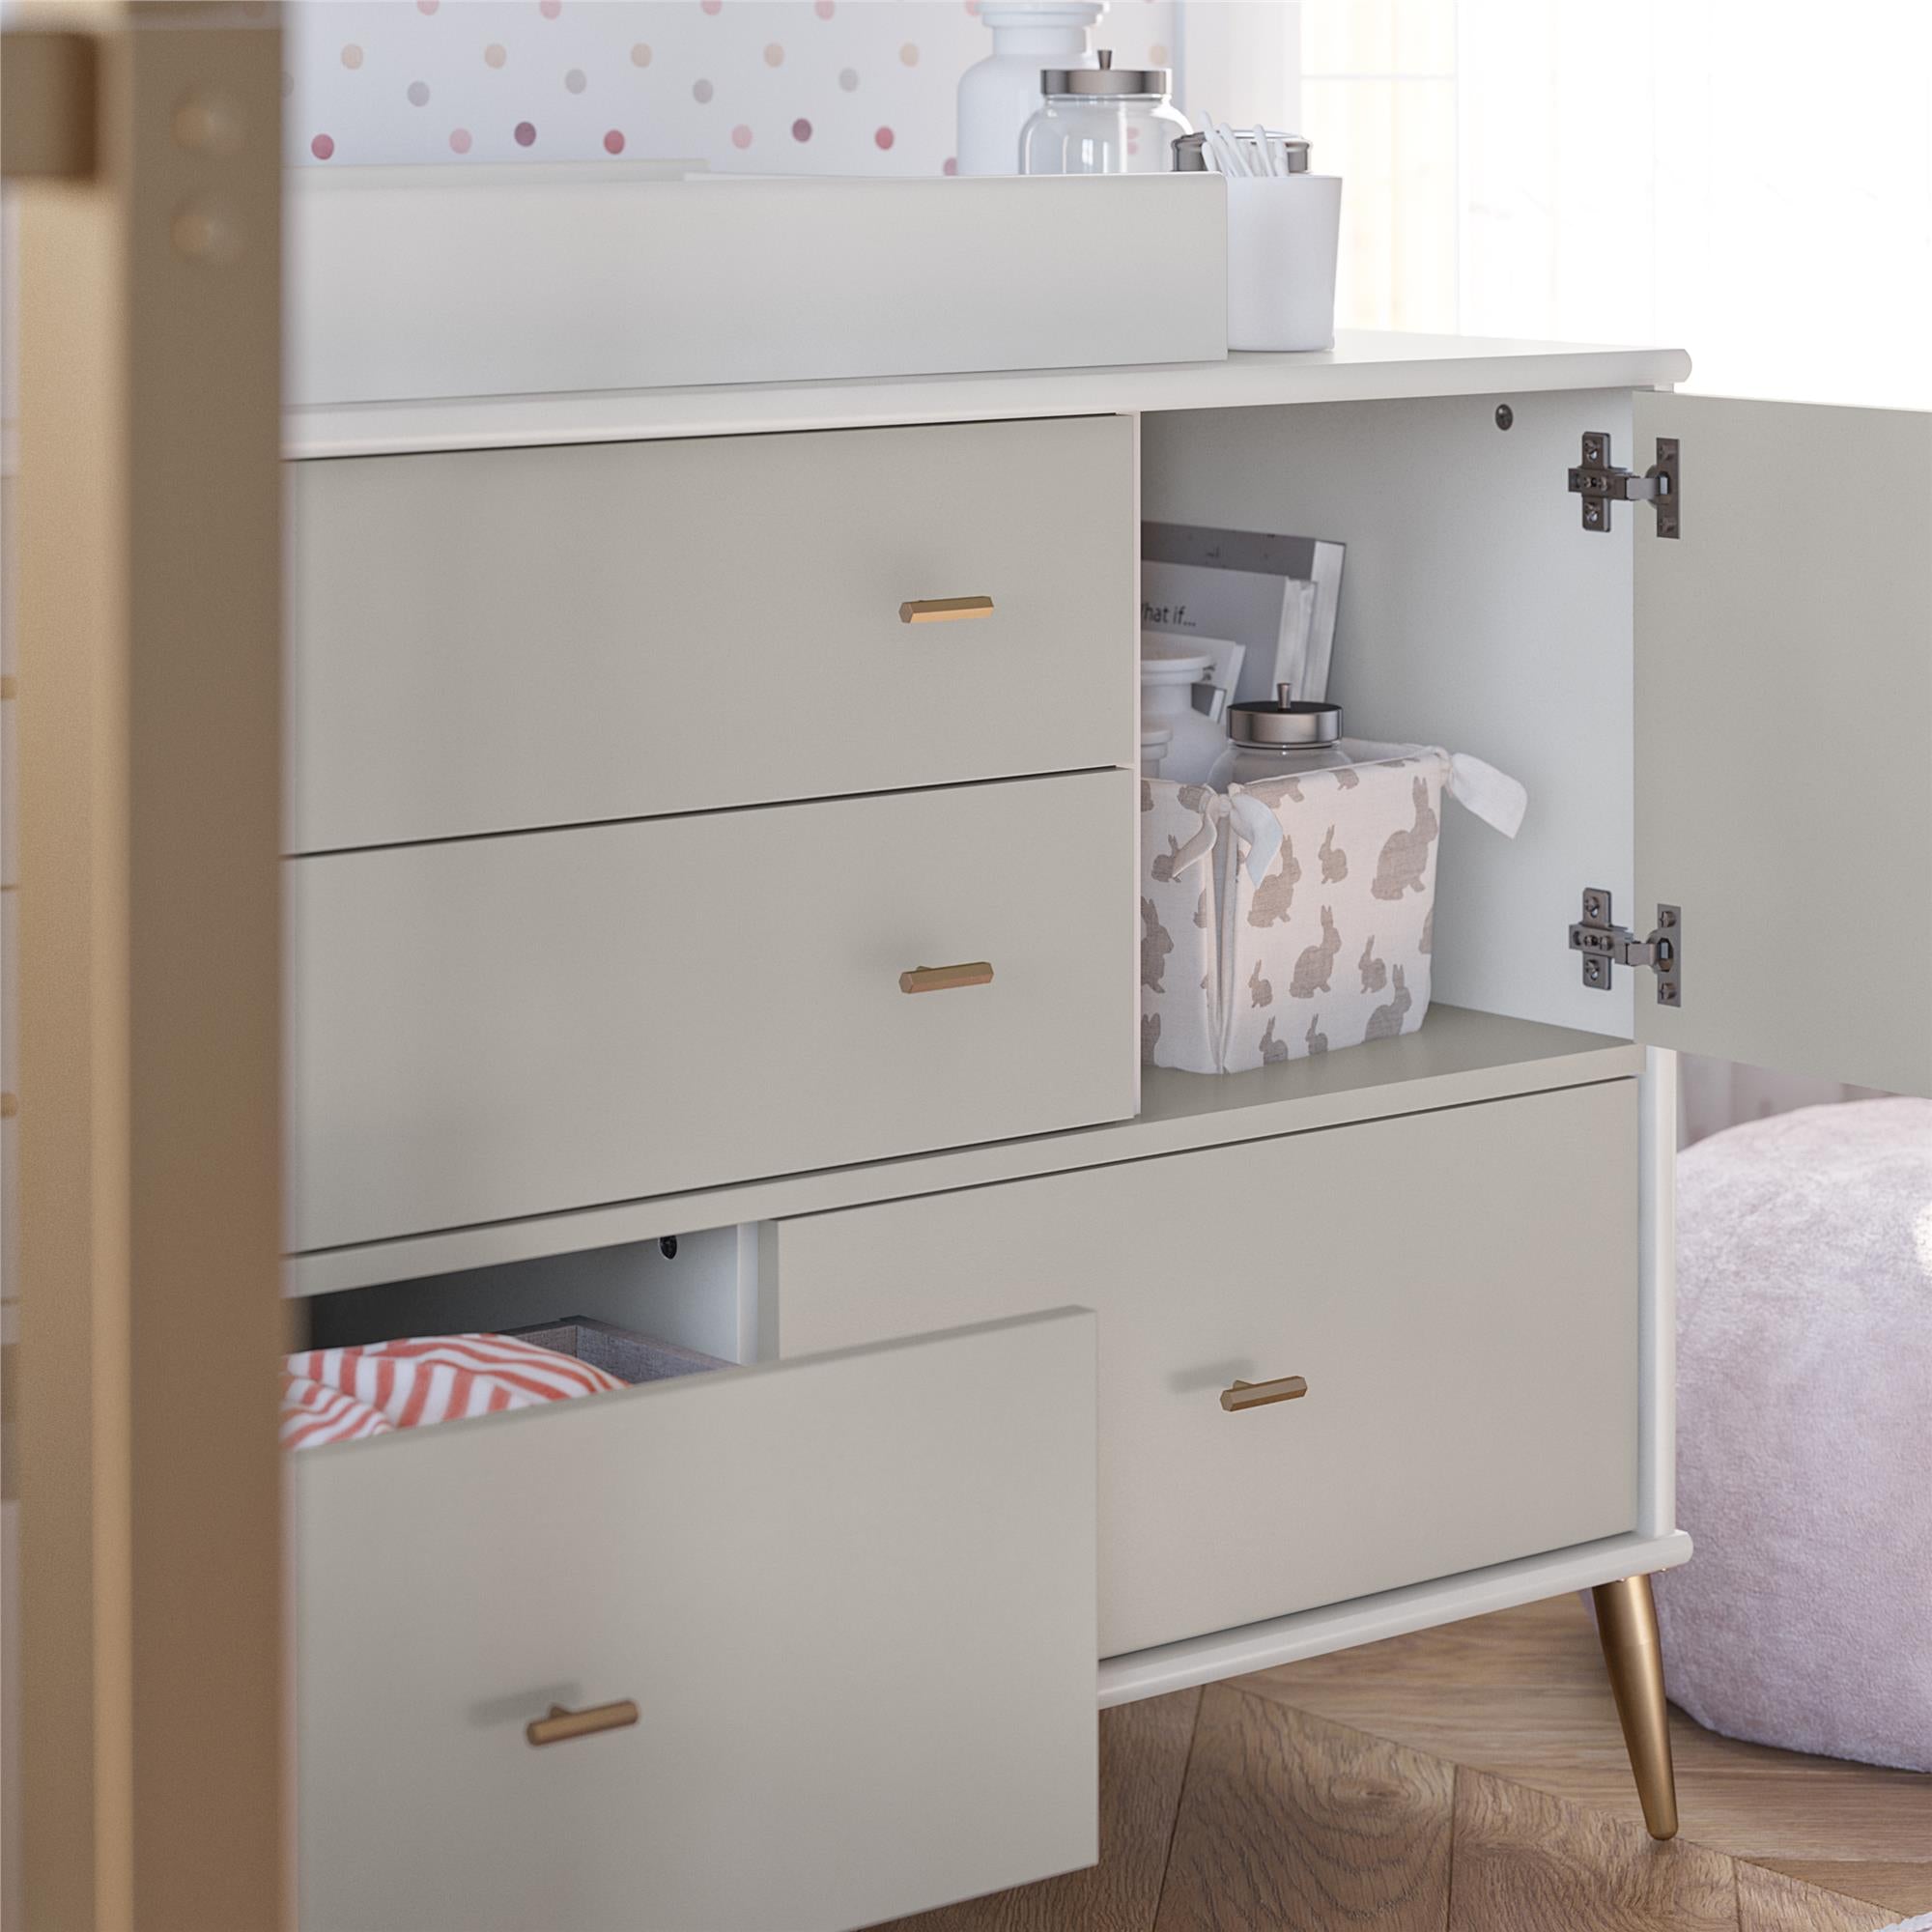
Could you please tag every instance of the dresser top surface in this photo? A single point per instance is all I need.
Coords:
(1365, 365)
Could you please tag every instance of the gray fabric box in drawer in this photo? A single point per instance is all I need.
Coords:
(618, 1351)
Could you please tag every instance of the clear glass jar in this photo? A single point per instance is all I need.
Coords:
(1102, 120)
(1279, 737)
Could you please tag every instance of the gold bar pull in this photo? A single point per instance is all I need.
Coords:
(944, 609)
(1258, 1395)
(943, 978)
(561, 1725)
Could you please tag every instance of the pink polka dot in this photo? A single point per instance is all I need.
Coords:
(883, 138)
(549, 9)
(741, 136)
(493, 55)
(352, 55)
(322, 147)
(712, 6)
(823, 9)
(775, 55)
(801, 129)
(909, 54)
(428, 6)
(526, 134)
(614, 142)
(950, 165)
(459, 140)
(640, 54)
(973, 7)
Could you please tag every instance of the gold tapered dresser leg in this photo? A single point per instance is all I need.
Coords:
(1627, 1625)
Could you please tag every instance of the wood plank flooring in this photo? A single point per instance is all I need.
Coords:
(1286, 1820)
(1524, 1695)
(1470, 1779)
(1144, 1752)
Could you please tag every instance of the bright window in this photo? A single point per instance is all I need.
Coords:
(1746, 179)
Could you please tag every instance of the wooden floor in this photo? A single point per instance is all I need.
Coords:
(1470, 1779)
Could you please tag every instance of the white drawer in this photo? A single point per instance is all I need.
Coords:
(852, 1598)
(1457, 1288)
(502, 1027)
(490, 640)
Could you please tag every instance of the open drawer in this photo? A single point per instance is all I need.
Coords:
(851, 1597)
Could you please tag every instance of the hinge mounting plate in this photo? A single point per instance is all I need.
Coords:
(1600, 483)
(1606, 946)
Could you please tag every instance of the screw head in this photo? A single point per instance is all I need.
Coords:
(1505, 415)
(208, 123)
(208, 233)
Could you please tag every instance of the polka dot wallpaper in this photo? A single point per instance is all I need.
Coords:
(751, 86)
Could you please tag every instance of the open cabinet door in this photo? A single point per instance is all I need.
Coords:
(1785, 736)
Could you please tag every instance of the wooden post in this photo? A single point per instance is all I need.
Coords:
(148, 609)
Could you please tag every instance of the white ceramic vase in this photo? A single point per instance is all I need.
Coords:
(1167, 699)
(1000, 94)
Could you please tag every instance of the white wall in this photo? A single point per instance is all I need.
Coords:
(1241, 60)
(765, 86)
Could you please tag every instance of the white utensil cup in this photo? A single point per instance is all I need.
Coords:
(1283, 232)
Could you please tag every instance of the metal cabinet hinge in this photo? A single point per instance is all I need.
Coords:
(1600, 483)
(1606, 946)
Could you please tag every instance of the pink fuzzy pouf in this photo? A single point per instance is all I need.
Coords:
(1805, 1434)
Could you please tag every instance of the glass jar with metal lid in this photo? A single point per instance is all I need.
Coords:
(1279, 737)
(1102, 120)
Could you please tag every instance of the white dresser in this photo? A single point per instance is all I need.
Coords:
(650, 752)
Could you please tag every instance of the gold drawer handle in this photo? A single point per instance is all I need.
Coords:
(943, 978)
(1258, 1395)
(561, 1725)
(944, 609)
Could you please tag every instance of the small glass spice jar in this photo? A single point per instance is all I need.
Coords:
(1279, 737)
(1102, 120)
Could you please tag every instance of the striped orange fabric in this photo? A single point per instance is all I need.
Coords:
(342, 1395)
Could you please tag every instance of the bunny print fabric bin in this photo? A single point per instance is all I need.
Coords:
(1297, 916)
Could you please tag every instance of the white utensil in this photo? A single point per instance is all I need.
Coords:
(1216, 146)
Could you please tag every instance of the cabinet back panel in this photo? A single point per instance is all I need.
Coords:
(1476, 614)
(688, 1298)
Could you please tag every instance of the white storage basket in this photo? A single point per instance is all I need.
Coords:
(1297, 916)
